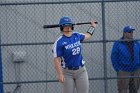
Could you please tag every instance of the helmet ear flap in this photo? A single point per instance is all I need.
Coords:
(61, 28)
(72, 27)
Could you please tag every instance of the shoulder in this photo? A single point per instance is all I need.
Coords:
(119, 41)
(58, 40)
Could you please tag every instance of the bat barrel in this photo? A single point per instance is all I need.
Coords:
(51, 26)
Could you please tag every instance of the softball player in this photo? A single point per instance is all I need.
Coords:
(67, 53)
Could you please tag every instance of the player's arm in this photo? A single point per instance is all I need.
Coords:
(90, 31)
(58, 69)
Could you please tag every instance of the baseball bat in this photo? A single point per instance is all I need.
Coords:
(57, 25)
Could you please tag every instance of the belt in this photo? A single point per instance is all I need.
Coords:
(74, 68)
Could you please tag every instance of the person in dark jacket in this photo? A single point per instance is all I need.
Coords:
(125, 59)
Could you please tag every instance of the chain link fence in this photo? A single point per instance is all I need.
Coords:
(26, 48)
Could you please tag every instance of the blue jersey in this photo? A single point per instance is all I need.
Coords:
(69, 49)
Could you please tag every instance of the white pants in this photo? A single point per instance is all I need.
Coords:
(76, 80)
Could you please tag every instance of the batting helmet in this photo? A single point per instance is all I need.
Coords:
(65, 21)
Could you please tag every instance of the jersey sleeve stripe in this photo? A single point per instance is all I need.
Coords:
(55, 47)
(54, 50)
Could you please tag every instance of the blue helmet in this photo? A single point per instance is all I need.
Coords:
(65, 21)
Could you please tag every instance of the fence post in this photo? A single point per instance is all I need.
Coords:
(104, 47)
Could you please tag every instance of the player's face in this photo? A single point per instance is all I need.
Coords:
(67, 29)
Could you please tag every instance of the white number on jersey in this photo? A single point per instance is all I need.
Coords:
(76, 51)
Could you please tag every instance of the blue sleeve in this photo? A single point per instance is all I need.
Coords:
(57, 49)
(115, 56)
(82, 36)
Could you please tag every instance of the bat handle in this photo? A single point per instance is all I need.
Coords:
(85, 23)
(96, 22)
